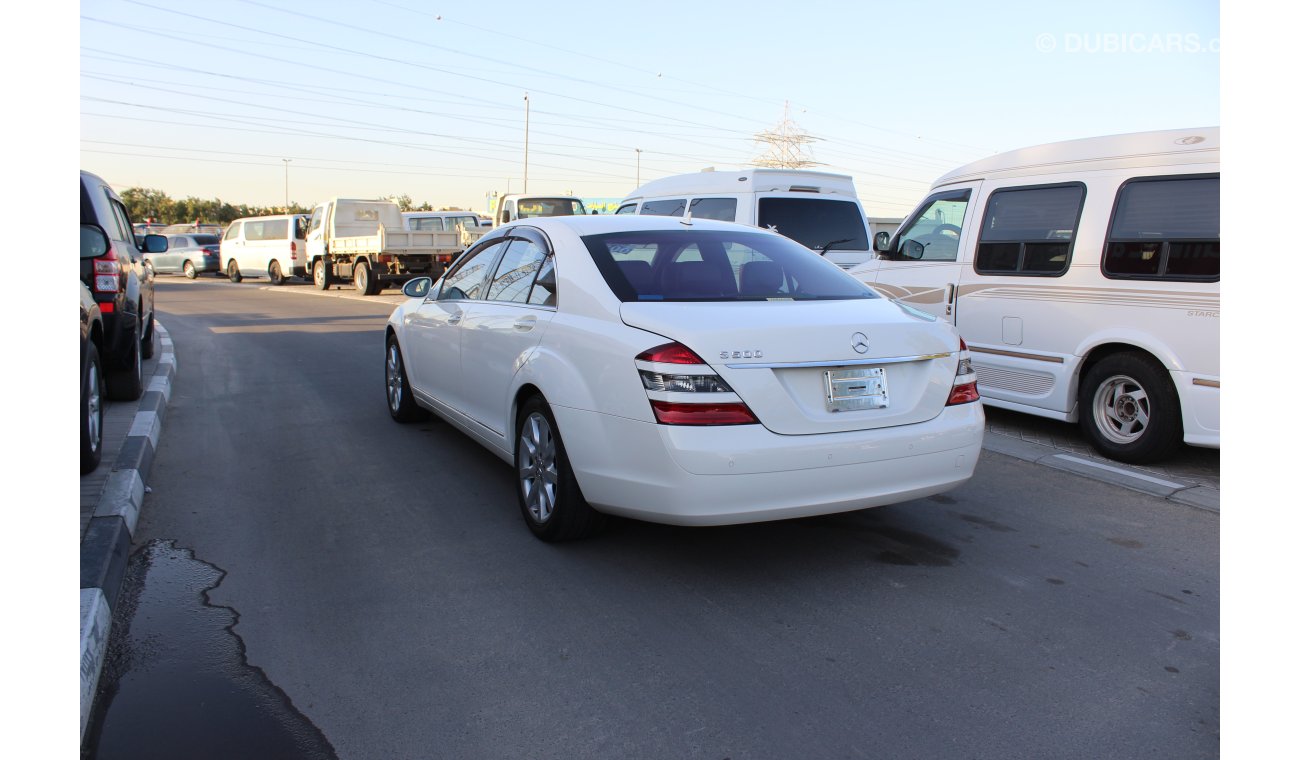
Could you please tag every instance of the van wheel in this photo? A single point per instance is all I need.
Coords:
(190, 271)
(274, 273)
(232, 271)
(1129, 409)
(92, 411)
(320, 275)
(362, 279)
(548, 492)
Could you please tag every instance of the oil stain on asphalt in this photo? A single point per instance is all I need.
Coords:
(176, 681)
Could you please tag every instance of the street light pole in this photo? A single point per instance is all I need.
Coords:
(286, 183)
(638, 167)
(526, 108)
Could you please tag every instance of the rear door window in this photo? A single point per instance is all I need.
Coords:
(1029, 230)
(1165, 228)
(816, 222)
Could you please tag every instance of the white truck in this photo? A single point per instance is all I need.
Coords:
(526, 206)
(366, 242)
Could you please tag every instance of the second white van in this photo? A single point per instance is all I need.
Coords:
(1084, 276)
(817, 209)
(274, 247)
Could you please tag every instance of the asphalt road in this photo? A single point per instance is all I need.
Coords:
(382, 579)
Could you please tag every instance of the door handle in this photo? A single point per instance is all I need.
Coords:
(455, 319)
(524, 324)
(949, 293)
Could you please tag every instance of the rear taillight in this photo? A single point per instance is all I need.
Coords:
(108, 273)
(688, 392)
(963, 384)
(293, 250)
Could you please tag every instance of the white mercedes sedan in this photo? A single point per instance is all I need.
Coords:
(682, 371)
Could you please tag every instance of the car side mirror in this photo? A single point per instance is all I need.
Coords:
(94, 242)
(912, 249)
(417, 288)
(882, 241)
(154, 244)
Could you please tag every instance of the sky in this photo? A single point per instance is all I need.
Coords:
(372, 98)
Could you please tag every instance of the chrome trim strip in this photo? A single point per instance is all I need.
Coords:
(1206, 383)
(843, 363)
(1017, 354)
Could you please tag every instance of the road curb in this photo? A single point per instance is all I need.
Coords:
(1161, 486)
(106, 543)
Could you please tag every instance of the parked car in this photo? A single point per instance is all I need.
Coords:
(120, 283)
(1085, 275)
(190, 255)
(92, 380)
(682, 371)
(274, 247)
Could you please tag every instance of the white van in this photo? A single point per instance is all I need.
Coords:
(1084, 276)
(265, 246)
(818, 209)
(437, 221)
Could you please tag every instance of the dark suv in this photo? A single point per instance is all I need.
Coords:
(120, 284)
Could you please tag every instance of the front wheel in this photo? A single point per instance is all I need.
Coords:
(274, 274)
(548, 492)
(401, 405)
(320, 275)
(232, 271)
(1129, 409)
(92, 411)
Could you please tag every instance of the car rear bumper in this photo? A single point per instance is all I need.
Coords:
(736, 474)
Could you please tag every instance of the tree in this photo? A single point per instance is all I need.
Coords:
(403, 201)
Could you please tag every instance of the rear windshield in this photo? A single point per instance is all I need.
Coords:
(205, 239)
(535, 207)
(716, 265)
(815, 222)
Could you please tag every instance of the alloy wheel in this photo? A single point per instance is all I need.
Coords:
(538, 473)
(1121, 409)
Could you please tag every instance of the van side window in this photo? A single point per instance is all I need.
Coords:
(674, 207)
(722, 209)
(937, 229)
(627, 208)
(1165, 228)
(1029, 230)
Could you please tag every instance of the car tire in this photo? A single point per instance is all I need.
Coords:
(548, 492)
(92, 411)
(232, 271)
(146, 342)
(401, 405)
(127, 384)
(320, 274)
(274, 273)
(1129, 408)
(190, 271)
(363, 279)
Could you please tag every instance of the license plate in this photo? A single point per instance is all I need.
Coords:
(853, 390)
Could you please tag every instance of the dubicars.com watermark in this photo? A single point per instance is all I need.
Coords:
(1098, 43)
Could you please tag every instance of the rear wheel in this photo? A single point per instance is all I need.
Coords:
(92, 411)
(127, 384)
(1129, 408)
(320, 275)
(400, 403)
(548, 492)
(190, 271)
(364, 280)
(274, 273)
(232, 271)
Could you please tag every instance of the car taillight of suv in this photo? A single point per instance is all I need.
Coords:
(107, 277)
